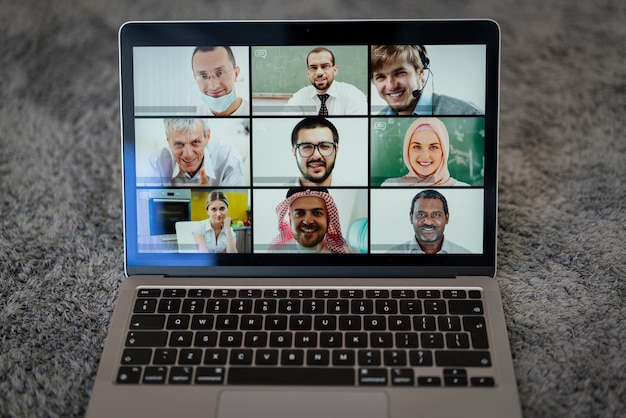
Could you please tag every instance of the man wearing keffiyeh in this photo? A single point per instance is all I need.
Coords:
(308, 222)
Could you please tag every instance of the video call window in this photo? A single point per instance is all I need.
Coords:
(287, 79)
(253, 141)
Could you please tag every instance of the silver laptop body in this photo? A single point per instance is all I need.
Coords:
(337, 308)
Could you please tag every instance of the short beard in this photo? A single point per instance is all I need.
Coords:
(329, 171)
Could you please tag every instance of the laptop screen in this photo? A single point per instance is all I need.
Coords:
(310, 148)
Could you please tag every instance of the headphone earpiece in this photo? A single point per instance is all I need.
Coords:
(425, 60)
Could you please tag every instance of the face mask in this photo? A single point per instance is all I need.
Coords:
(218, 104)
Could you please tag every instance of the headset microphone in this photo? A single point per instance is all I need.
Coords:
(426, 66)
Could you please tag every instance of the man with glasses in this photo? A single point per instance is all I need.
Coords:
(216, 71)
(429, 217)
(325, 96)
(314, 144)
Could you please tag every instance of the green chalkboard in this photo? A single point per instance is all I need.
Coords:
(280, 70)
(467, 148)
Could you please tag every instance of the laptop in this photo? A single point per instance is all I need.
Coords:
(310, 222)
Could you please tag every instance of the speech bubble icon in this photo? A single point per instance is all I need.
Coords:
(261, 53)
(380, 125)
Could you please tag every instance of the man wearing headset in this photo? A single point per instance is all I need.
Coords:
(399, 73)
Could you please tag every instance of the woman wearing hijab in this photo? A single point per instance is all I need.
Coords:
(425, 151)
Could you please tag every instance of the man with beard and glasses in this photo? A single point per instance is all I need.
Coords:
(308, 223)
(325, 96)
(429, 217)
(314, 144)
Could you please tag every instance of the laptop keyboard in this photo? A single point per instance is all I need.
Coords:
(400, 337)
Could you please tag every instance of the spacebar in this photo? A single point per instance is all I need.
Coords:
(290, 376)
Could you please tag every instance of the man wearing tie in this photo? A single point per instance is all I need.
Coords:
(325, 96)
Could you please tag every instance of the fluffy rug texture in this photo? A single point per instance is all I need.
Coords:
(562, 213)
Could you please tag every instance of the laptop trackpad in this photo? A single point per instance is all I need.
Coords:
(301, 404)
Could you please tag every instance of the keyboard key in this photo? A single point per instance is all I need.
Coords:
(335, 376)
(483, 381)
(432, 340)
(403, 294)
(454, 294)
(145, 306)
(169, 306)
(180, 375)
(205, 339)
(318, 357)
(402, 377)
(193, 306)
(190, 356)
(475, 325)
(429, 381)
(421, 358)
(455, 377)
(174, 293)
(454, 358)
(241, 357)
(369, 358)
(155, 375)
(456, 340)
(136, 356)
(275, 293)
(266, 357)
(343, 358)
(199, 293)
(428, 294)
(465, 307)
(148, 293)
(305, 339)
(178, 321)
(165, 356)
(209, 375)
(435, 307)
(292, 358)
(215, 356)
(147, 322)
(449, 323)
(326, 293)
(128, 374)
(395, 358)
(146, 339)
(362, 307)
(202, 322)
(378, 293)
(410, 307)
(351, 294)
(325, 323)
(181, 339)
(373, 377)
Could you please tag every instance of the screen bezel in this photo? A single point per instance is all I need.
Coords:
(314, 33)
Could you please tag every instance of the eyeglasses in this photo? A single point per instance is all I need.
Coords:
(205, 76)
(306, 149)
(324, 67)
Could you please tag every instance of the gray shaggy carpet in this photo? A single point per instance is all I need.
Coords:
(562, 213)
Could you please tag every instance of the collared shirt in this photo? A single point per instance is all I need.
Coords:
(345, 99)
(435, 104)
(206, 230)
(413, 247)
(222, 165)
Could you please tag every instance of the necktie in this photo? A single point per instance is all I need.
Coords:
(323, 109)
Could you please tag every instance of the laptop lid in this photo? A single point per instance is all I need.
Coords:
(223, 142)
